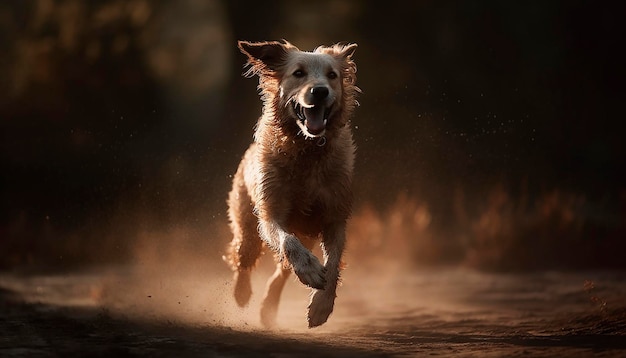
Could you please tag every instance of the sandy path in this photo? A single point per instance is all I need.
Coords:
(187, 312)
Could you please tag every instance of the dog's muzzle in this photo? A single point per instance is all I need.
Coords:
(313, 118)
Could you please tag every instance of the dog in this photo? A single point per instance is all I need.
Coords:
(293, 185)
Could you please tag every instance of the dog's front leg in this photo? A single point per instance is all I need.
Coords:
(305, 265)
(323, 301)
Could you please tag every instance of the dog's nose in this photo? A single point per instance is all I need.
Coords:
(319, 92)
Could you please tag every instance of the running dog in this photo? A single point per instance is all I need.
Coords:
(293, 185)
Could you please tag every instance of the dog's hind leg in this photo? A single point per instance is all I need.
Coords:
(246, 246)
(275, 284)
(246, 249)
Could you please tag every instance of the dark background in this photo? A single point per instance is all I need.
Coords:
(488, 131)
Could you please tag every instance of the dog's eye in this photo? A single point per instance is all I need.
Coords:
(298, 73)
(332, 75)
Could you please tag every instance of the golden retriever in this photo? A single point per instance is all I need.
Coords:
(293, 185)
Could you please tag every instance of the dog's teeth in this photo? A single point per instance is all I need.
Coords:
(299, 110)
(325, 121)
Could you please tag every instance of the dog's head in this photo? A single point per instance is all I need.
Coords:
(315, 89)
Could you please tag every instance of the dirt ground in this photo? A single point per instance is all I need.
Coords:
(187, 311)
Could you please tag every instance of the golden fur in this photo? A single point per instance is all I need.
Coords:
(293, 185)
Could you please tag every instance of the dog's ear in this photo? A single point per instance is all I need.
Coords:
(346, 51)
(344, 54)
(265, 57)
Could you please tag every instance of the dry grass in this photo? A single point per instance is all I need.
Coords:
(554, 230)
(551, 231)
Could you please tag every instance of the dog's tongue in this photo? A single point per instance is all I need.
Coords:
(314, 119)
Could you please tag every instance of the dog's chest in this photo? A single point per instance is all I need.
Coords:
(311, 186)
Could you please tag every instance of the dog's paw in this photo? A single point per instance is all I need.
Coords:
(305, 265)
(312, 273)
(243, 287)
(322, 303)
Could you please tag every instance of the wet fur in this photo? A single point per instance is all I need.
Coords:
(293, 185)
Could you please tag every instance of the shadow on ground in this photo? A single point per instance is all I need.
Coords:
(35, 329)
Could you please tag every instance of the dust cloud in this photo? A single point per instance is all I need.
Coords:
(170, 277)
(177, 274)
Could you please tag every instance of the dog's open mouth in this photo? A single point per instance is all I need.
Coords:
(312, 119)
